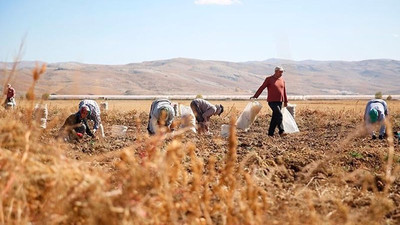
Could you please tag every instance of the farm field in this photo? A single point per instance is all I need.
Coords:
(330, 172)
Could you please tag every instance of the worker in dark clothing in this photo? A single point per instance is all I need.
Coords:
(277, 98)
(75, 126)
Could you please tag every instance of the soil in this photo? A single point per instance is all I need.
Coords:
(329, 146)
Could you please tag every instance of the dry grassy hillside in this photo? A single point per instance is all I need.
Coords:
(329, 173)
(190, 76)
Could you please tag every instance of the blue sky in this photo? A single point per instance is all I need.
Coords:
(119, 32)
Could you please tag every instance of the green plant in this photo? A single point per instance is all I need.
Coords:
(356, 155)
(199, 96)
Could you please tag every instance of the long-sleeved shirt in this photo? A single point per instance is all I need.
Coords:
(206, 108)
(94, 112)
(276, 89)
(72, 121)
(155, 113)
(378, 104)
(10, 92)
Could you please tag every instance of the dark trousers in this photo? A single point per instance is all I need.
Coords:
(199, 117)
(81, 128)
(197, 112)
(78, 128)
(276, 120)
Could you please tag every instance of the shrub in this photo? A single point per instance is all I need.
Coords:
(389, 98)
(199, 96)
(378, 95)
(45, 96)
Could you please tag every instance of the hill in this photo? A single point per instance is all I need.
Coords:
(192, 76)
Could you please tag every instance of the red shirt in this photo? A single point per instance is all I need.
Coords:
(10, 92)
(276, 89)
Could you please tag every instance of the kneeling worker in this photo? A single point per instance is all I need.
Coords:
(75, 126)
(375, 113)
(162, 113)
(90, 110)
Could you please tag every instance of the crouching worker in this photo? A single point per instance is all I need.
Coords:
(203, 110)
(161, 114)
(90, 110)
(375, 113)
(74, 127)
(10, 99)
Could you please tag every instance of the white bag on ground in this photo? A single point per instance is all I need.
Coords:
(187, 117)
(289, 124)
(118, 130)
(248, 115)
(40, 114)
(225, 130)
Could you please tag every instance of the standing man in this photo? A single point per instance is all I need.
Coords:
(90, 110)
(203, 110)
(375, 113)
(276, 97)
(162, 113)
(10, 92)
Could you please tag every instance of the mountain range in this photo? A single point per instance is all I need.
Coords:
(193, 76)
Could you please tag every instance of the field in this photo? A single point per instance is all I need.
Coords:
(329, 173)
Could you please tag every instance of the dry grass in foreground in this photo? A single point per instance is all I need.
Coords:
(247, 179)
(329, 173)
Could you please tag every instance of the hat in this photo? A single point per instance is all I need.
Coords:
(373, 115)
(279, 68)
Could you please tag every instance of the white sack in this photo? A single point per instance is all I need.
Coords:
(248, 115)
(289, 124)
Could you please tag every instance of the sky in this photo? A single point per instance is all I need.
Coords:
(132, 31)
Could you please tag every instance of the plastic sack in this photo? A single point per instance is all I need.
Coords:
(187, 117)
(40, 114)
(292, 109)
(225, 130)
(289, 124)
(104, 106)
(118, 130)
(248, 115)
(10, 104)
